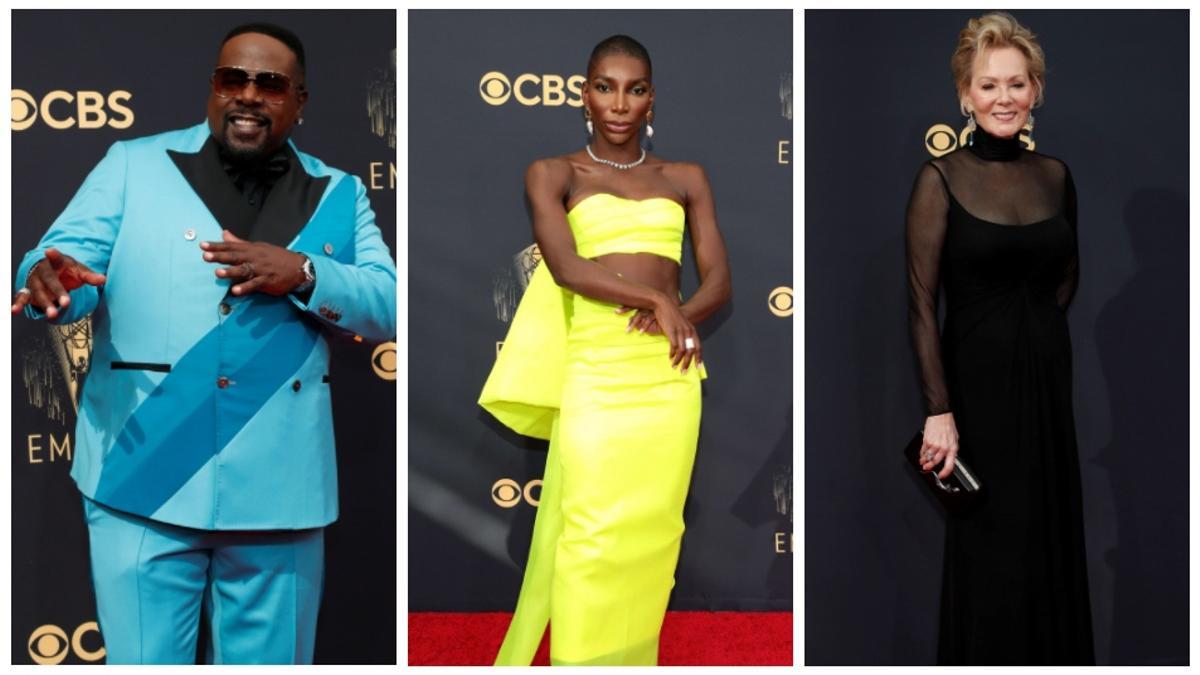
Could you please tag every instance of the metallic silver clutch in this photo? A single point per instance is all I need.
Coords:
(959, 492)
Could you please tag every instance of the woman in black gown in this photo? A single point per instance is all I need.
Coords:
(995, 224)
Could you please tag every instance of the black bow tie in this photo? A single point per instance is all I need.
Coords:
(269, 169)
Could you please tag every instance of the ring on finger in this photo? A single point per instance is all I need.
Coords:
(249, 270)
(689, 343)
(26, 291)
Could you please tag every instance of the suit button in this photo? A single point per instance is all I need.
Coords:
(189, 234)
(222, 382)
(225, 308)
(296, 385)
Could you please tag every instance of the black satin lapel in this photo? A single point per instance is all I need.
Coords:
(290, 204)
(208, 179)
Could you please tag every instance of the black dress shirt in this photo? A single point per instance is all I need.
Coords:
(255, 179)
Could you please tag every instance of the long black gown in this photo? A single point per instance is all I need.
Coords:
(996, 224)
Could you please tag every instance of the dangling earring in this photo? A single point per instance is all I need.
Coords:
(971, 128)
(1030, 123)
(649, 119)
(299, 121)
(587, 115)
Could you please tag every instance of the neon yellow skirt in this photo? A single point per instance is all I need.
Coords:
(607, 532)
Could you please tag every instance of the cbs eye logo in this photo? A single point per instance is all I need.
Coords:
(507, 492)
(383, 360)
(779, 301)
(91, 111)
(495, 89)
(48, 644)
(940, 139)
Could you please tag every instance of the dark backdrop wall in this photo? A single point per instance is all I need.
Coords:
(489, 93)
(81, 81)
(878, 85)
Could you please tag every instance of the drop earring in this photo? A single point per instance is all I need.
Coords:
(588, 116)
(299, 121)
(971, 128)
(1029, 123)
(649, 119)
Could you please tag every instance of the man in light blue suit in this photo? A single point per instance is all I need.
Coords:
(214, 261)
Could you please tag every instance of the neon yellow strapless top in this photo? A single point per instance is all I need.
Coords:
(604, 223)
(524, 389)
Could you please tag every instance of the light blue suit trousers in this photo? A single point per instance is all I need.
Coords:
(260, 590)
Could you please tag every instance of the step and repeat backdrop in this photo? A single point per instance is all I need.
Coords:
(491, 91)
(81, 81)
(881, 100)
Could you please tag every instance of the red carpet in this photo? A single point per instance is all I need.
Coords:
(688, 639)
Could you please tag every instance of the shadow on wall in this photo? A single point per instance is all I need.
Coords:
(1149, 436)
(912, 525)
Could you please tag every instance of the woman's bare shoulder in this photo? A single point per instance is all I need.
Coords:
(688, 176)
(550, 173)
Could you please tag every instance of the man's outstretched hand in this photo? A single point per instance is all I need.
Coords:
(255, 266)
(50, 280)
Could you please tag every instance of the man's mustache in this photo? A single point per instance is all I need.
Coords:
(247, 113)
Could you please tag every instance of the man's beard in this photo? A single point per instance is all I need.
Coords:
(242, 151)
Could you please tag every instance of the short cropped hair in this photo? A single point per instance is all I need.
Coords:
(280, 33)
(619, 44)
(992, 31)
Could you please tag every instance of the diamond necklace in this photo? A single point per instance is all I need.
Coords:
(615, 165)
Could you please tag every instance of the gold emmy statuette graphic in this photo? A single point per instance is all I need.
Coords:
(381, 102)
(509, 284)
(72, 345)
(527, 261)
(785, 95)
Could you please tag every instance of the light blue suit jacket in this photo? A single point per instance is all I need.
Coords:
(237, 433)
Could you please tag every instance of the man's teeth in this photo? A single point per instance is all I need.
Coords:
(246, 122)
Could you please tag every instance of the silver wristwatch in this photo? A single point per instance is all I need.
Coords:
(310, 277)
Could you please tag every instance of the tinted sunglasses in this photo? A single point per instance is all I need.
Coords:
(231, 81)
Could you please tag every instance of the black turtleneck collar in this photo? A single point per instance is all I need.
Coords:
(994, 148)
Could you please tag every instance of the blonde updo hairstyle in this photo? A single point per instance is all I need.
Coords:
(992, 31)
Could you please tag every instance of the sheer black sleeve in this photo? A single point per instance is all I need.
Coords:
(1070, 280)
(925, 232)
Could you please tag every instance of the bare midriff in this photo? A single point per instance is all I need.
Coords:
(648, 269)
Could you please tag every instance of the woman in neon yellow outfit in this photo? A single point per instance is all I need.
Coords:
(618, 364)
